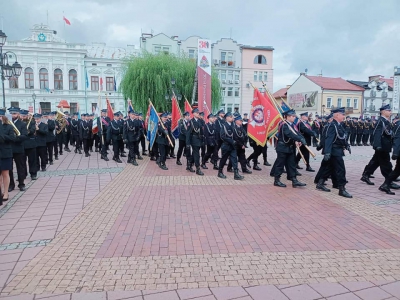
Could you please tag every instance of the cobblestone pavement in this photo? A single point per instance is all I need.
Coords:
(89, 229)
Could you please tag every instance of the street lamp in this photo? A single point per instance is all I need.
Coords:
(7, 71)
(34, 100)
(174, 92)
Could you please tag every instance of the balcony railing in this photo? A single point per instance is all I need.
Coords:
(226, 63)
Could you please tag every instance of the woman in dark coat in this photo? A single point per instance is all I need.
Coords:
(6, 154)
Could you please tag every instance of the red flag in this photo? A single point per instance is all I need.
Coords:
(264, 118)
(110, 112)
(147, 116)
(206, 112)
(188, 108)
(66, 21)
(176, 116)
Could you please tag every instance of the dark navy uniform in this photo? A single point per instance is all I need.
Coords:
(347, 128)
(365, 136)
(41, 140)
(353, 131)
(131, 134)
(162, 142)
(19, 152)
(307, 132)
(75, 124)
(228, 148)
(360, 130)
(382, 145)
(210, 140)
(103, 123)
(85, 132)
(241, 139)
(194, 138)
(333, 150)
(30, 147)
(184, 127)
(114, 134)
(51, 138)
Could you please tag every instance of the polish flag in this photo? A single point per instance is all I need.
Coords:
(66, 21)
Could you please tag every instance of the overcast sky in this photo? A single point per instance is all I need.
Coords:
(351, 39)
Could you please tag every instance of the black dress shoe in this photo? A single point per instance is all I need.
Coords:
(172, 156)
(22, 188)
(247, 171)
(118, 161)
(199, 172)
(204, 166)
(278, 183)
(298, 167)
(266, 163)
(33, 177)
(309, 169)
(163, 166)
(139, 157)
(153, 158)
(385, 188)
(296, 183)
(257, 168)
(248, 164)
(86, 154)
(61, 153)
(297, 173)
(365, 179)
(394, 186)
(123, 155)
(51, 163)
(230, 170)
(11, 188)
(106, 158)
(43, 169)
(221, 175)
(178, 162)
(56, 158)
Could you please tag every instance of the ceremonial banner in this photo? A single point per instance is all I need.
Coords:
(176, 116)
(188, 108)
(303, 100)
(95, 129)
(110, 112)
(130, 107)
(146, 121)
(264, 118)
(204, 73)
(152, 126)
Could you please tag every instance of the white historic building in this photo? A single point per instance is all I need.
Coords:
(54, 70)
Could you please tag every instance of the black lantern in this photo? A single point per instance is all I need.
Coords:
(3, 38)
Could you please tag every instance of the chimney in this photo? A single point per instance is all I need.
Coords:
(288, 86)
(302, 73)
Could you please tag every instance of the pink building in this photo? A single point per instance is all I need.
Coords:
(256, 68)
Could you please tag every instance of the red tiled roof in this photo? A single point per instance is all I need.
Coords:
(281, 93)
(330, 83)
(389, 81)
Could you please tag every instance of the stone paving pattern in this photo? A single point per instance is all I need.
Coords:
(150, 234)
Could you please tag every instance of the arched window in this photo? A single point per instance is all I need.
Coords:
(44, 79)
(73, 80)
(29, 78)
(260, 60)
(58, 79)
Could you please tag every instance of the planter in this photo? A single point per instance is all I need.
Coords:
(230, 63)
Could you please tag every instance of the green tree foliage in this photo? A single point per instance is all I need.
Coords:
(149, 77)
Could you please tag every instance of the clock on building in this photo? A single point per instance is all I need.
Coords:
(41, 37)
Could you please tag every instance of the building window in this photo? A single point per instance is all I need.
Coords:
(109, 83)
(13, 82)
(14, 104)
(165, 50)
(328, 102)
(94, 83)
(192, 53)
(229, 56)
(255, 76)
(229, 108)
(223, 91)
(29, 78)
(230, 91)
(230, 75)
(265, 76)
(109, 65)
(348, 104)
(237, 75)
(260, 76)
(58, 79)
(94, 64)
(237, 92)
(73, 80)
(339, 102)
(157, 49)
(44, 79)
(260, 60)
(223, 56)
(355, 104)
(223, 75)
(94, 106)
(45, 107)
(74, 107)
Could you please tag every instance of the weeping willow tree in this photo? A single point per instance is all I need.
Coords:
(149, 77)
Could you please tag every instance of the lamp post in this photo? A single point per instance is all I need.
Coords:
(174, 92)
(34, 102)
(7, 71)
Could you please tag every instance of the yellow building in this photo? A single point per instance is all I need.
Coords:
(318, 95)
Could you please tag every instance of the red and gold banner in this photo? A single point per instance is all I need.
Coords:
(264, 118)
(204, 73)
